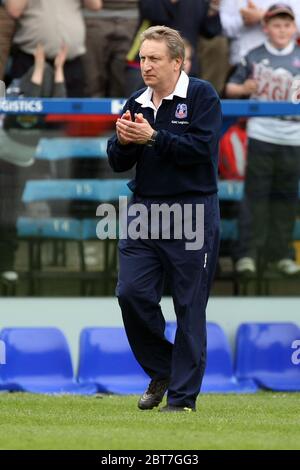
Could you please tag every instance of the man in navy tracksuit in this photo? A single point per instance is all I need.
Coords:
(170, 131)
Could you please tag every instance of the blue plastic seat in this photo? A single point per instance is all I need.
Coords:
(85, 189)
(107, 360)
(229, 229)
(59, 227)
(63, 147)
(219, 376)
(265, 354)
(62, 229)
(38, 361)
(2, 362)
(230, 190)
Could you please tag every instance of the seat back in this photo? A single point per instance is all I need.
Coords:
(35, 352)
(105, 351)
(219, 360)
(266, 348)
(84, 189)
(67, 147)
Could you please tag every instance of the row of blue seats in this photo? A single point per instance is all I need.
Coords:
(38, 360)
(102, 191)
(85, 229)
(58, 227)
(105, 190)
(71, 147)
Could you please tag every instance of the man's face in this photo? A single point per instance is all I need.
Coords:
(280, 31)
(157, 67)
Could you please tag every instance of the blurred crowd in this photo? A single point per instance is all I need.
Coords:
(96, 42)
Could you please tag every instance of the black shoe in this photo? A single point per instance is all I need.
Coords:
(154, 394)
(176, 409)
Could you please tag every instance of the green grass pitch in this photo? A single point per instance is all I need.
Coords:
(263, 421)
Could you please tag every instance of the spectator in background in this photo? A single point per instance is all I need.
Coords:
(272, 174)
(50, 23)
(213, 55)
(7, 27)
(241, 22)
(41, 80)
(109, 35)
(214, 59)
(190, 17)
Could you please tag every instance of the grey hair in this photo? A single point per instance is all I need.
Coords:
(171, 37)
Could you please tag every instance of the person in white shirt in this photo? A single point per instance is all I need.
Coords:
(241, 22)
(270, 72)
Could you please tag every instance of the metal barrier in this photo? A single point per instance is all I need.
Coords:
(230, 108)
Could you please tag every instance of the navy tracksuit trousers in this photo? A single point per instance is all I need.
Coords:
(143, 264)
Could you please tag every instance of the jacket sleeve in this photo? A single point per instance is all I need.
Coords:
(158, 11)
(242, 72)
(122, 157)
(211, 26)
(200, 142)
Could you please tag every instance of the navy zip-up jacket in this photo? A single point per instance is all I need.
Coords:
(184, 158)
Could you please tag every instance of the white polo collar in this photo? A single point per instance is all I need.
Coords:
(287, 50)
(145, 99)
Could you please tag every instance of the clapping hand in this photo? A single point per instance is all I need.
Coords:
(138, 131)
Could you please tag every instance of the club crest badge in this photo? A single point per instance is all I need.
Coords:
(181, 111)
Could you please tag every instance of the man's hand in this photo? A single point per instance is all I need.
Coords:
(59, 62)
(249, 87)
(39, 65)
(39, 56)
(137, 132)
(61, 57)
(121, 135)
(251, 15)
(240, 90)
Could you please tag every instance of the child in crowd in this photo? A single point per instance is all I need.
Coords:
(270, 73)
